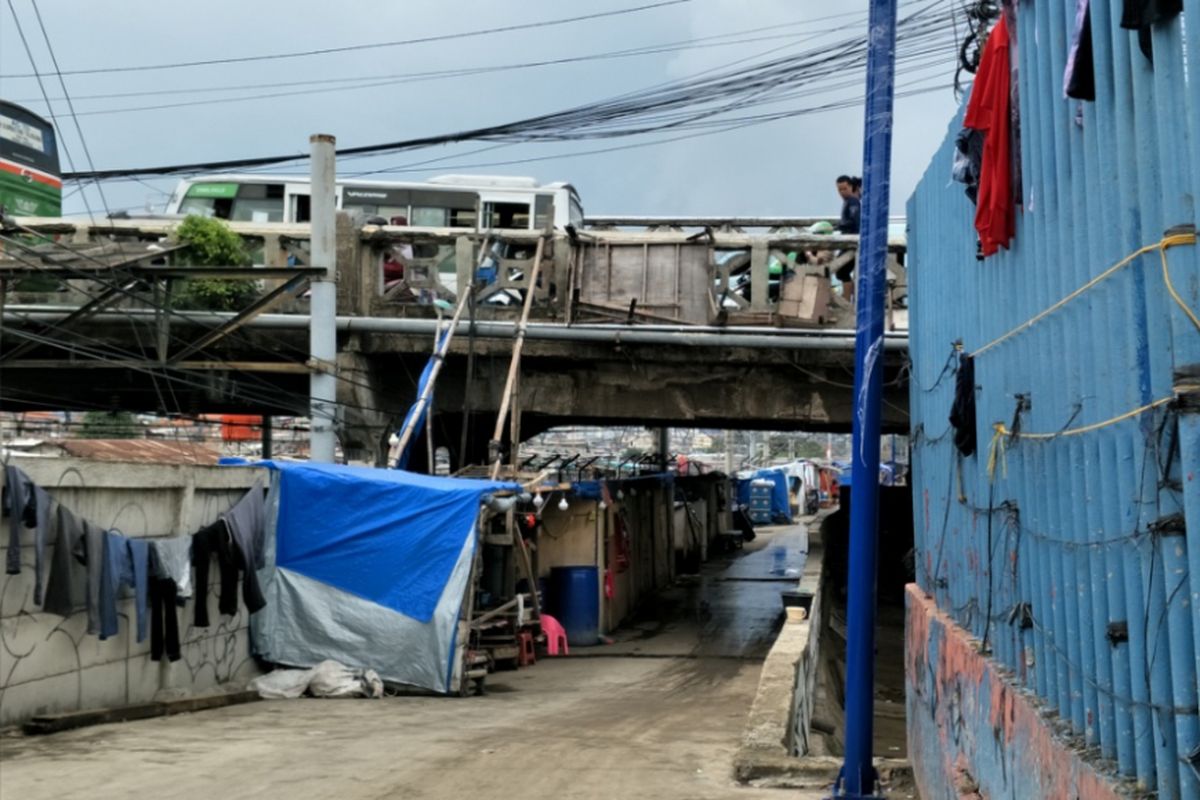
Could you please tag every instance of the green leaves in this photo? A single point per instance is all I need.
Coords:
(210, 243)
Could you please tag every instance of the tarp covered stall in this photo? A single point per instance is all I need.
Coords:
(781, 506)
(368, 567)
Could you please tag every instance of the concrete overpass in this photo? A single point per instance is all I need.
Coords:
(701, 348)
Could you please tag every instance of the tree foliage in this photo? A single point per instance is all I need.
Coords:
(211, 243)
(109, 425)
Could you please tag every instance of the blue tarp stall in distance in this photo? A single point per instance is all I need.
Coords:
(781, 505)
(368, 567)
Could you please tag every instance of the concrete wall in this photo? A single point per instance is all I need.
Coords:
(973, 732)
(48, 663)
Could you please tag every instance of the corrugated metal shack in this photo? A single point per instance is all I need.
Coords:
(1068, 544)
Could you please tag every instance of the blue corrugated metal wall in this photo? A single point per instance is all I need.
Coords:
(1071, 559)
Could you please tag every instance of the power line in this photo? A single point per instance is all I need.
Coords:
(50, 108)
(603, 119)
(67, 96)
(372, 46)
(701, 42)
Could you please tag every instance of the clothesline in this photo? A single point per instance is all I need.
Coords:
(92, 565)
(1174, 240)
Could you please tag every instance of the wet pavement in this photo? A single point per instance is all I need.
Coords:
(732, 609)
(664, 725)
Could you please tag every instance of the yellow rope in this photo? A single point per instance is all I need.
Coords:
(1171, 287)
(1161, 246)
(1001, 430)
(997, 452)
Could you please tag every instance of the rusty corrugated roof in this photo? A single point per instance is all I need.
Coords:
(140, 451)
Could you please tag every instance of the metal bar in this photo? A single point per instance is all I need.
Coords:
(858, 778)
(681, 335)
(259, 306)
(147, 364)
(86, 270)
(268, 438)
(101, 301)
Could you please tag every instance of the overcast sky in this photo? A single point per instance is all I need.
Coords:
(781, 168)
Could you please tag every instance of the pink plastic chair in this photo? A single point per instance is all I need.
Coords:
(555, 635)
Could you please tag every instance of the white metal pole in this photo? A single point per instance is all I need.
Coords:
(323, 323)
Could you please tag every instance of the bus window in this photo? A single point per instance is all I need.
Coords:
(210, 200)
(259, 202)
(462, 218)
(513, 216)
(376, 201)
(543, 212)
(426, 217)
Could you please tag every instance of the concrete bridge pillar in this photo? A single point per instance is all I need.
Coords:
(369, 415)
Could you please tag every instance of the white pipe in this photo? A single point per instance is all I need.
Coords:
(323, 305)
(683, 335)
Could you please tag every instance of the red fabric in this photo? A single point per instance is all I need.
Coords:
(988, 112)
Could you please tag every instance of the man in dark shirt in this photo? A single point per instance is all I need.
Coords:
(851, 213)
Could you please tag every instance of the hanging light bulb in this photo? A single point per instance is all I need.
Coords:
(620, 494)
(538, 501)
(563, 505)
(603, 505)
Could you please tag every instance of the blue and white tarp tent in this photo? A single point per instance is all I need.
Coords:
(368, 567)
(781, 505)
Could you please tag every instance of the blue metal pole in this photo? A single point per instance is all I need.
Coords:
(858, 778)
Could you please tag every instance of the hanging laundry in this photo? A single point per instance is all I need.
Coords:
(164, 602)
(968, 161)
(126, 566)
(246, 523)
(173, 557)
(206, 543)
(1079, 77)
(77, 568)
(1142, 15)
(988, 111)
(236, 539)
(27, 505)
(962, 411)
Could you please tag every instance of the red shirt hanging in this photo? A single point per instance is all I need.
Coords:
(988, 113)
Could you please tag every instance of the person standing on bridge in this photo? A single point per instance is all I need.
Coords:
(849, 189)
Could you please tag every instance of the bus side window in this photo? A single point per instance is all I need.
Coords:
(259, 202)
(543, 212)
(513, 216)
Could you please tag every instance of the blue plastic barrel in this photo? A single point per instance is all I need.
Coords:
(576, 603)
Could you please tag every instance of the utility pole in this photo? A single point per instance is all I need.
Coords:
(858, 778)
(322, 338)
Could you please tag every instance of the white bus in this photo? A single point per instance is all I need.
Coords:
(479, 202)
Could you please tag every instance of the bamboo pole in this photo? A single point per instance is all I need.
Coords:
(514, 365)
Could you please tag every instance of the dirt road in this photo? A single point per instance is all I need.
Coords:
(655, 723)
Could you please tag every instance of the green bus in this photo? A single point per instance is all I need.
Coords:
(30, 180)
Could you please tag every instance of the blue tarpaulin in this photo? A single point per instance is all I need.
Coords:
(426, 375)
(781, 506)
(368, 567)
